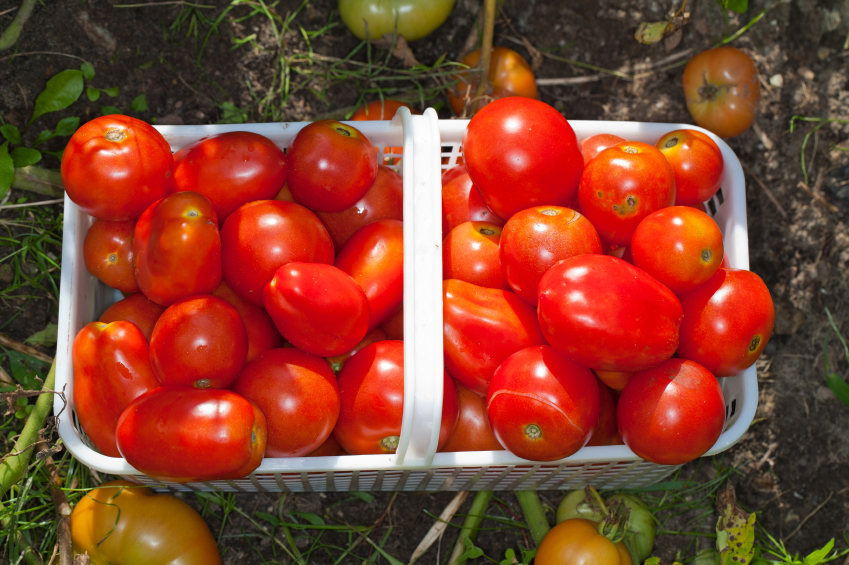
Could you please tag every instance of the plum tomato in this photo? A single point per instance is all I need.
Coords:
(605, 428)
(136, 308)
(727, 322)
(473, 431)
(108, 253)
(331, 166)
(318, 308)
(606, 314)
(622, 185)
(470, 254)
(462, 202)
(541, 406)
(199, 341)
(338, 361)
(262, 333)
(697, 163)
(297, 393)
(595, 144)
(509, 75)
(578, 541)
(411, 19)
(231, 169)
(672, 413)
(679, 246)
(535, 239)
(115, 167)
(520, 153)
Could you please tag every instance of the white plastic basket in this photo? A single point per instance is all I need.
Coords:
(415, 466)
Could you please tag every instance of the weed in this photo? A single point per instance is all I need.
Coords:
(822, 122)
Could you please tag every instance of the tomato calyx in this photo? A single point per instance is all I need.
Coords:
(709, 92)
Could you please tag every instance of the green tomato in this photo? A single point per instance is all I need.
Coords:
(416, 18)
(575, 505)
(640, 522)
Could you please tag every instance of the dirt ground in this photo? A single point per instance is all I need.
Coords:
(793, 461)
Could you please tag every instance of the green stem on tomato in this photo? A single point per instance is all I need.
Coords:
(534, 514)
(471, 525)
(486, 51)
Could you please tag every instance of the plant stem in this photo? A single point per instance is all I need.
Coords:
(30, 555)
(38, 180)
(534, 514)
(471, 525)
(13, 32)
(486, 51)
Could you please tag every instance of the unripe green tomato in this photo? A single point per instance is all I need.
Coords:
(640, 522)
(574, 505)
(416, 18)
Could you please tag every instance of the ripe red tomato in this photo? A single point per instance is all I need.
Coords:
(542, 406)
(470, 254)
(115, 166)
(185, 434)
(262, 333)
(382, 110)
(509, 75)
(605, 429)
(578, 541)
(622, 185)
(453, 173)
(177, 248)
(231, 169)
(394, 327)
(136, 308)
(722, 90)
(535, 239)
(330, 448)
(108, 253)
(260, 237)
(516, 143)
(727, 322)
(473, 431)
(298, 395)
(462, 202)
(338, 361)
(331, 166)
(371, 385)
(672, 413)
(606, 314)
(679, 246)
(615, 380)
(595, 144)
(111, 369)
(697, 162)
(318, 308)
(199, 341)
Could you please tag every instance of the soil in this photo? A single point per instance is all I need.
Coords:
(793, 460)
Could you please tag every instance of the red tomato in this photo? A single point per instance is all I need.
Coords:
(260, 237)
(115, 166)
(384, 200)
(462, 202)
(262, 333)
(482, 327)
(111, 369)
(595, 144)
(722, 90)
(537, 238)
(615, 380)
(453, 173)
(727, 322)
(331, 166)
(338, 361)
(177, 248)
(470, 254)
(108, 253)
(697, 162)
(473, 431)
(374, 257)
(671, 414)
(394, 327)
(185, 434)
(509, 75)
(136, 308)
(521, 153)
(605, 428)
(231, 169)
(330, 448)
(318, 308)
(622, 185)
(679, 246)
(371, 385)
(199, 341)
(298, 395)
(606, 314)
(382, 110)
(542, 406)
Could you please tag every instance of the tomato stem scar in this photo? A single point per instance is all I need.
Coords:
(533, 431)
(114, 135)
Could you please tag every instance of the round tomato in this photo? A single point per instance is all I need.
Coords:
(722, 90)
(411, 19)
(108, 253)
(697, 162)
(473, 431)
(338, 361)
(577, 541)
(509, 75)
(595, 144)
(462, 202)
(262, 333)
(136, 308)
(521, 153)
(470, 254)
(115, 166)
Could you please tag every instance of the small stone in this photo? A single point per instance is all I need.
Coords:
(777, 81)
(200, 115)
(806, 73)
(823, 53)
(825, 394)
(830, 20)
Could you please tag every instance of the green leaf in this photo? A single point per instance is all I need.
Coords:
(472, 552)
(62, 90)
(87, 70)
(392, 560)
(139, 103)
(735, 529)
(528, 555)
(43, 136)
(739, 6)
(364, 496)
(92, 93)
(270, 518)
(11, 133)
(67, 126)
(25, 369)
(839, 387)
(652, 561)
(111, 92)
(310, 517)
(57, 154)
(24, 156)
(819, 555)
(48, 336)
(650, 33)
(7, 169)
(106, 110)
(509, 558)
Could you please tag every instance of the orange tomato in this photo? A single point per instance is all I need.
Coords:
(509, 75)
(382, 110)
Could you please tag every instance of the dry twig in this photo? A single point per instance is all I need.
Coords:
(25, 349)
(819, 198)
(440, 525)
(766, 189)
(808, 517)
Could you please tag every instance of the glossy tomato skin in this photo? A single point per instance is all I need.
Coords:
(672, 413)
(462, 202)
(260, 237)
(541, 406)
(722, 90)
(108, 253)
(452, 173)
(338, 361)
(374, 257)
(111, 369)
(331, 166)
(576, 541)
(384, 200)
(470, 254)
(727, 322)
(622, 185)
(595, 144)
(521, 142)
(231, 169)
(297, 393)
(412, 19)
(262, 333)
(177, 248)
(123, 523)
(606, 314)
(136, 308)
(185, 434)
(318, 308)
(509, 75)
(697, 162)
(615, 380)
(605, 428)
(679, 246)
(199, 341)
(481, 328)
(115, 166)
(535, 239)
(473, 431)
